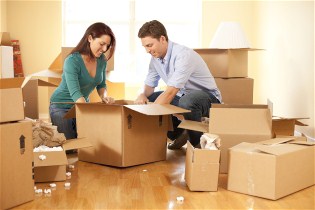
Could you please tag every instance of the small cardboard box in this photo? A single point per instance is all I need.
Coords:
(30, 95)
(202, 169)
(226, 63)
(285, 126)
(5, 39)
(235, 124)
(124, 134)
(53, 168)
(16, 168)
(6, 62)
(11, 106)
(236, 90)
(272, 169)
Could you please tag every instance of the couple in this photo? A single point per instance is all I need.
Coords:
(190, 84)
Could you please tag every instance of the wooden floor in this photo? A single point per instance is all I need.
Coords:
(150, 186)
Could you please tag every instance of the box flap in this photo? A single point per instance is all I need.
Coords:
(11, 82)
(157, 109)
(70, 114)
(76, 144)
(47, 73)
(275, 141)
(295, 119)
(45, 84)
(53, 158)
(278, 149)
(194, 125)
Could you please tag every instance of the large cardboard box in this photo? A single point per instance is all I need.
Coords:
(6, 62)
(236, 90)
(31, 97)
(271, 169)
(124, 134)
(235, 124)
(226, 63)
(11, 106)
(53, 168)
(16, 164)
(202, 169)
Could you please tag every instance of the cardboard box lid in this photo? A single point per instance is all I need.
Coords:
(203, 156)
(76, 144)
(5, 39)
(240, 119)
(157, 109)
(194, 125)
(295, 119)
(7, 83)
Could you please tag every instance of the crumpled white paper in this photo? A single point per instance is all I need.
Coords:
(210, 141)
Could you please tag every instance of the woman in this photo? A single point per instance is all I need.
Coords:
(83, 70)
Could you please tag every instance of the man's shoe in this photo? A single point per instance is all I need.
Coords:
(179, 142)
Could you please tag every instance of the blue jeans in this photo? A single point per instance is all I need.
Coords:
(66, 126)
(198, 102)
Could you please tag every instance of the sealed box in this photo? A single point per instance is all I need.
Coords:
(236, 90)
(271, 169)
(11, 106)
(16, 168)
(124, 134)
(202, 169)
(225, 63)
(53, 167)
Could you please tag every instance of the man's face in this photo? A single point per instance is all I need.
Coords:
(156, 47)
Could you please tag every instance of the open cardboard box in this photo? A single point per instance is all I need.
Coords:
(16, 168)
(123, 134)
(202, 169)
(11, 106)
(286, 126)
(53, 168)
(234, 124)
(226, 63)
(272, 169)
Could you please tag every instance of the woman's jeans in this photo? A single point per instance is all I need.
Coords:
(198, 102)
(65, 126)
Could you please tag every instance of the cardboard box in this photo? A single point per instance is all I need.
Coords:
(11, 106)
(5, 39)
(202, 169)
(31, 97)
(6, 62)
(271, 169)
(235, 124)
(285, 126)
(53, 168)
(16, 168)
(226, 63)
(124, 134)
(236, 90)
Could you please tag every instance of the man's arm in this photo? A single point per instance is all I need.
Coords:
(167, 96)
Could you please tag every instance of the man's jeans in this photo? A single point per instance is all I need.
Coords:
(198, 102)
(65, 126)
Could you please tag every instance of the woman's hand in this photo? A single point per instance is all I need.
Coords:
(108, 100)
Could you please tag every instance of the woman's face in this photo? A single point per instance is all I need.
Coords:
(99, 45)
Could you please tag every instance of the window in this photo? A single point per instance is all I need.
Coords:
(182, 19)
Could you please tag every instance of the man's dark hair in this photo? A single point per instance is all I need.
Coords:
(154, 29)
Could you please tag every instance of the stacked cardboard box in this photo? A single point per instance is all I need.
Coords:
(229, 67)
(16, 144)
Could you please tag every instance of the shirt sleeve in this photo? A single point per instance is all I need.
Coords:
(71, 72)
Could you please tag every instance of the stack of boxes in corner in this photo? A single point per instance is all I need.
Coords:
(16, 147)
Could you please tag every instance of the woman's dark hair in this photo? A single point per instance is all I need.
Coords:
(154, 29)
(96, 30)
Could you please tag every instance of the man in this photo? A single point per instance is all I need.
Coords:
(190, 84)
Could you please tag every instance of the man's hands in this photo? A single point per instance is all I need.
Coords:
(141, 99)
